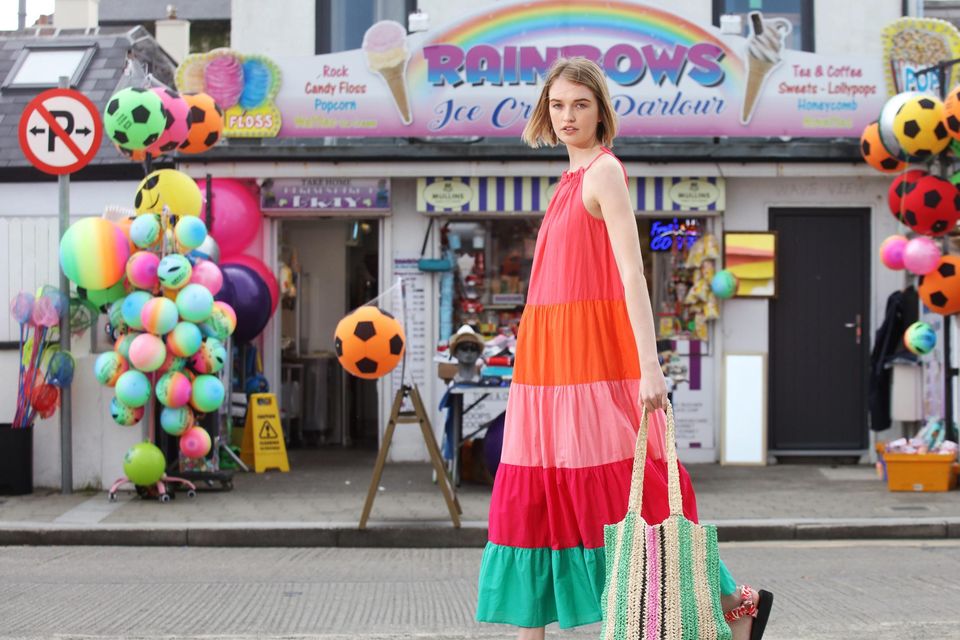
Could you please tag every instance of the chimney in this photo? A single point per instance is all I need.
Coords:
(76, 14)
(173, 35)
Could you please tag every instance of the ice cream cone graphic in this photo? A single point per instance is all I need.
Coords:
(385, 47)
(764, 47)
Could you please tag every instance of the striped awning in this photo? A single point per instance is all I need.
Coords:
(530, 195)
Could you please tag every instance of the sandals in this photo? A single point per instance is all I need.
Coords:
(759, 611)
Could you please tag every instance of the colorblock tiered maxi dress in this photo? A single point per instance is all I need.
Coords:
(570, 433)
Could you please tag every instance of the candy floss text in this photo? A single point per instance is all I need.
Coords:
(249, 121)
(625, 64)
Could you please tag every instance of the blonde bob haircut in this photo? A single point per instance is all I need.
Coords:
(579, 70)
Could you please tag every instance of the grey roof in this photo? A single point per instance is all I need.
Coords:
(139, 11)
(103, 77)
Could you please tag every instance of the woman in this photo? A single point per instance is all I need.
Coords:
(586, 363)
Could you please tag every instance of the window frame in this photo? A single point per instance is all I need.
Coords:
(323, 38)
(807, 40)
(89, 50)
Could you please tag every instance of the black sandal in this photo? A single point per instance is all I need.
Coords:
(759, 611)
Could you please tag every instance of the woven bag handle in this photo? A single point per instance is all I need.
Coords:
(640, 463)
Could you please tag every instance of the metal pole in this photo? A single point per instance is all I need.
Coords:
(66, 437)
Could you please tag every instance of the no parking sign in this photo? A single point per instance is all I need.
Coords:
(60, 131)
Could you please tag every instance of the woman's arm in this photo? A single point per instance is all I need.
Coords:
(606, 187)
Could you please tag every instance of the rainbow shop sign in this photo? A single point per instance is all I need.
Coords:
(481, 76)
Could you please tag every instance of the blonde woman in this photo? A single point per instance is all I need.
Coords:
(586, 364)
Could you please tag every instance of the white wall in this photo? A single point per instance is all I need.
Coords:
(286, 28)
(850, 28)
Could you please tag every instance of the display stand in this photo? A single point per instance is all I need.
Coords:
(417, 416)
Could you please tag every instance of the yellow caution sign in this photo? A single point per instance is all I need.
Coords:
(263, 447)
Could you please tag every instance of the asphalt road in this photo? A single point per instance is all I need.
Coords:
(829, 590)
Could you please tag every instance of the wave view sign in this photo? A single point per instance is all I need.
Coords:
(480, 76)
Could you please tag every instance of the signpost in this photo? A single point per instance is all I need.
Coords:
(60, 132)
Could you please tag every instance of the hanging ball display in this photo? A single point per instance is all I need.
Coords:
(951, 112)
(178, 121)
(369, 342)
(207, 393)
(174, 271)
(875, 154)
(206, 124)
(184, 340)
(147, 352)
(173, 389)
(210, 358)
(133, 388)
(168, 188)
(207, 274)
(919, 128)
(724, 284)
(123, 415)
(190, 232)
(144, 464)
(108, 368)
(94, 253)
(134, 118)
(932, 206)
(159, 316)
(195, 442)
(195, 303)
(142, 270)
(145, 231)
(901, 186)
(131, 308)
(176, 421)
(891, 252)
(921, 255)
(940, 289)
(920, 338)
(122, 345)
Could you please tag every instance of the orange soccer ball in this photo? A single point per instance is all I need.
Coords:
(369, 342)
(940, 289)
(875, 154)
(951, 113)
(206, 123)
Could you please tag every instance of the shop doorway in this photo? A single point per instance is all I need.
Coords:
(819, 345)
(335, 266)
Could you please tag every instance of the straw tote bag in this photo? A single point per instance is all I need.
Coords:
(662, 581)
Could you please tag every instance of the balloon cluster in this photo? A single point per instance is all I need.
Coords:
(158, 121)
(43, 368)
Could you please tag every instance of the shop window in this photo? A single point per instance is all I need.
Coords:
(798, 12)
(342, 23)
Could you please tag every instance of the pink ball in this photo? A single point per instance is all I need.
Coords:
(891, 252)
(147, 352)
(195, 442)
(921, 256)
(142, 270)
(178, 122)
(208, 274)
(236, 214)
(261, 270)
(173, 389)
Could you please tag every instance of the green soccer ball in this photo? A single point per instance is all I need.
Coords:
(134, 118)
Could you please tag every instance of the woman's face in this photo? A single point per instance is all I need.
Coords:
(574, 113)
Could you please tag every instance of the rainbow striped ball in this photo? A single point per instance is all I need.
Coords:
(176, 421)
(222, 321)
(174, 271)
(207, 394)
(109, 367)
(185, 340)
(123, 415)
(159, 316)
(173, 389)
(94, 253)
(132, 306)
(133, 389)
(190, 232)
(142, 270)
(122, 345)
(145, 231)
(172, 363)
(147, 352)
(195, 442)
(195, 303)
(210, 358)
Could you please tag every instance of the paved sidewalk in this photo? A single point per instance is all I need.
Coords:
(319, 502)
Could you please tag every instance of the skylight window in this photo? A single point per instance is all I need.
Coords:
(41, 67)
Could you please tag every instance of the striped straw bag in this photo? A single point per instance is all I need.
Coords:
(663, 581)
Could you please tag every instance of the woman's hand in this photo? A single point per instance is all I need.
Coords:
(653, 389)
